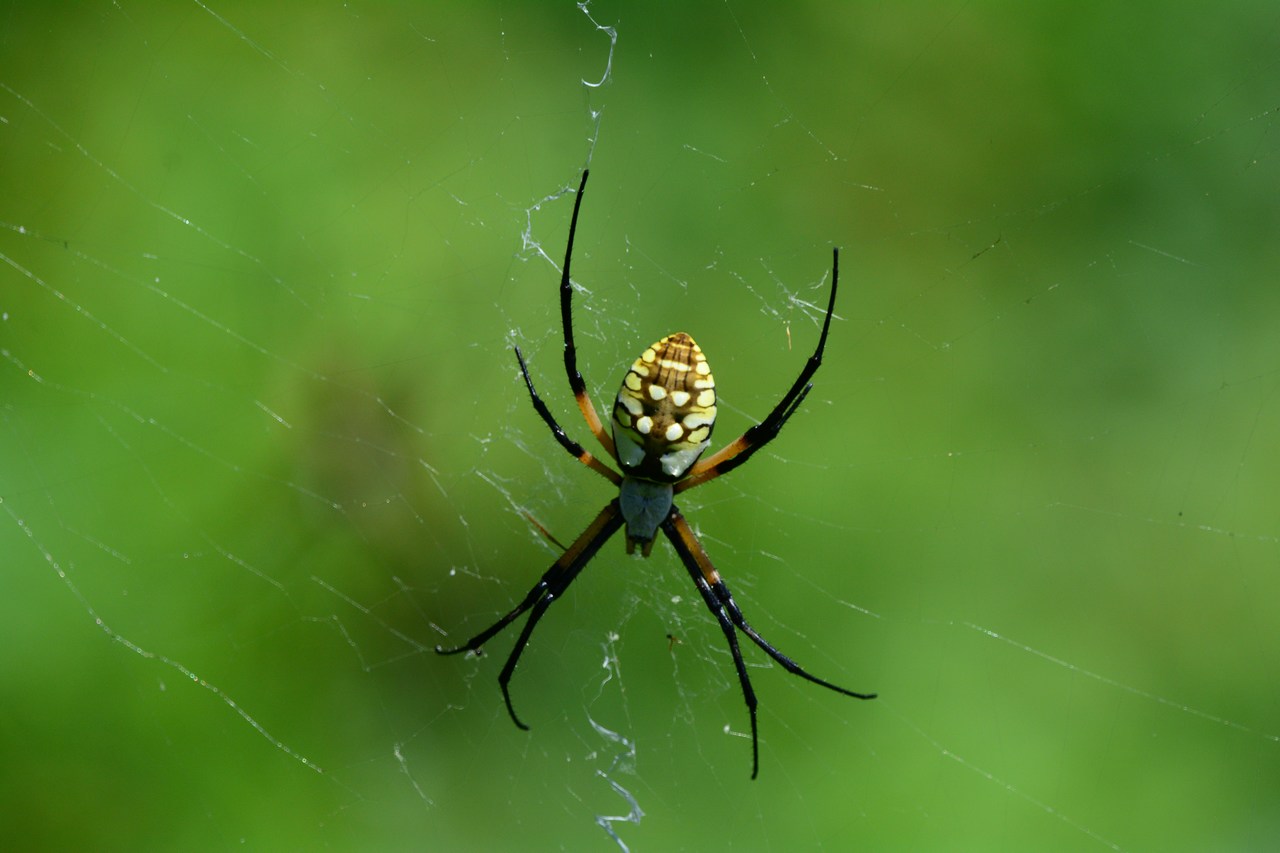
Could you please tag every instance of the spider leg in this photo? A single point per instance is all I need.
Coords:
(721, 604)
(575, 450)
(576, 382)
(735, 453)
(726, 625)
(551, 586)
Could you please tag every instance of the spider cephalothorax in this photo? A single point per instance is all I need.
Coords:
(662, 421)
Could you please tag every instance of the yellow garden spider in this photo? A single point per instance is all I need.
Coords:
(662, 421)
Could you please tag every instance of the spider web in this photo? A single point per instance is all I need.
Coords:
(265, 443)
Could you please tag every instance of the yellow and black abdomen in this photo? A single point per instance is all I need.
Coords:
(665, 410)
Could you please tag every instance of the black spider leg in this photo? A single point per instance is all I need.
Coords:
(721, 604)
(576, 383)
(575, 450)
(757, 436)
(563, 571)
(551, 586)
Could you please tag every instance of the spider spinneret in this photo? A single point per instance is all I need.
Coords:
(662, 421)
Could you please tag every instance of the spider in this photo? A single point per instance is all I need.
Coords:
(662, 421)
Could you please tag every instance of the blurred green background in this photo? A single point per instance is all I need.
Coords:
(263, 443)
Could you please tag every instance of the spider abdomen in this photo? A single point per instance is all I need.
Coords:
(665, 410)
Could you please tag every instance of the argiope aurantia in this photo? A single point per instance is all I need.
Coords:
(662, 421)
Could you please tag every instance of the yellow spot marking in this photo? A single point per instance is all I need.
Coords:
(631, 380)
(674, 432)
(644, 425)
(680, 398)
(671, 364)
(701, 368)
(699, 435)
(697, 419)
(707, 398)
(648, 355)
(631, 404)
(657, 392)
